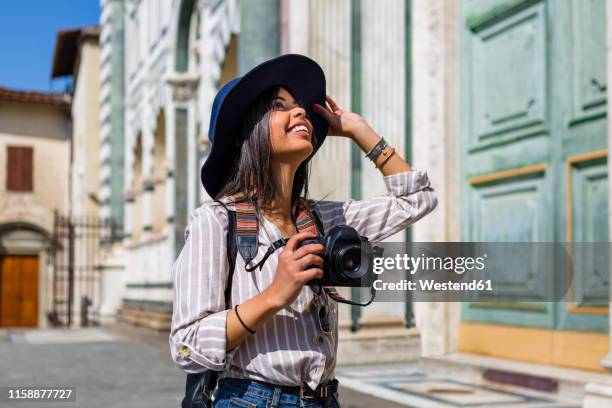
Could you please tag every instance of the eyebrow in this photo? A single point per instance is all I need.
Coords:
(284, 100)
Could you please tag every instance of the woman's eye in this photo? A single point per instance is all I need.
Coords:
(279, 106)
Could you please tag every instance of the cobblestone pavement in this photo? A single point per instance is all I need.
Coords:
(117, 366)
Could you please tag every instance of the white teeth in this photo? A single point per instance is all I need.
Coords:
(299, 128)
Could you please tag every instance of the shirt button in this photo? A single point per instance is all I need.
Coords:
(317, 340)
(184, 351)
(308, 307)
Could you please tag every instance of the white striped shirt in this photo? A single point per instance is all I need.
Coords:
(290, 348)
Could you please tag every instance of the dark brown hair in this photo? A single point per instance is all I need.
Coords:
(251, 168)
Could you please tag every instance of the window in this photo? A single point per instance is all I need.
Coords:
(19, 172)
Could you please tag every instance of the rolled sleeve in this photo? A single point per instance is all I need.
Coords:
(409, 198)
(198, 331)
(203, 346)
(408, 182)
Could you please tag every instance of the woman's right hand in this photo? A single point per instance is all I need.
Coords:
(296, 266)
(291, 276)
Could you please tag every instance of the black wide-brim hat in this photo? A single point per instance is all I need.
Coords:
(300, 75)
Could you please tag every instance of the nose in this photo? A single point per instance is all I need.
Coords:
(299, 112)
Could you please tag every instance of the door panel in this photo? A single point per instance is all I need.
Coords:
(19, 291)
(534, 137)
(29, 290)
(513, 207)
(508, 75)
(10, 291)
(588, 54)
(581, 125)
(507, 147)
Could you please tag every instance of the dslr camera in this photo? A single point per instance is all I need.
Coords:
(348, 259)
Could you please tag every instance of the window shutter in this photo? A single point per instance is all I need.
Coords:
(12, 171)
(27, 169)
(19, 175)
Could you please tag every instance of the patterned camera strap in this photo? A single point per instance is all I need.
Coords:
(247, 230)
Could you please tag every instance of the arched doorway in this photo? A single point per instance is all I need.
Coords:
(23, 260)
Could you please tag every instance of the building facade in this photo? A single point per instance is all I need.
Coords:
(181, 53)
(35, 131)
(473, 91)
(79, 231)
(511, 101)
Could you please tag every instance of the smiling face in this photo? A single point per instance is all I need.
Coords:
(291, 132)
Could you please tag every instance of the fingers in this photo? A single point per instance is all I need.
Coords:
(334, 106)
(324, 111)
(330, 117)
(309, 249)
(312, 273)
(295, 239)
(309, 260)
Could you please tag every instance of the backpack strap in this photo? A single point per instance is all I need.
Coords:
(232, 252)
(318, 223)
(199, 387)
(246, 227)
(307, 220)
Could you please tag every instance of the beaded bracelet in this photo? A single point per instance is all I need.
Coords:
(241, 322)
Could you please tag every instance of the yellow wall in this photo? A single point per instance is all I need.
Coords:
(46, 129)
(86, 125)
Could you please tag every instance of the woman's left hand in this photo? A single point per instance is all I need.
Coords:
(341, 122)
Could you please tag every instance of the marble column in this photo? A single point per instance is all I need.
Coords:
(259, 37)
(328, 35)
(169, 162)
(383, 101)
(435, 147)
(183, 86)
(129, 198)
(148, 178)
(294, 25)
(129, 195)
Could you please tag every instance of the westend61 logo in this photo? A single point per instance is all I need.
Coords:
(424, 263)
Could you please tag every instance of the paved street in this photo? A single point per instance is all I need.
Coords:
(106, 371)
(121, 366)
(118, 367)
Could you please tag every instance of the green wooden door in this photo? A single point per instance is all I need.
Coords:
(534, 141)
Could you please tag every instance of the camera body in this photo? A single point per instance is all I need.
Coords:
(348, 259)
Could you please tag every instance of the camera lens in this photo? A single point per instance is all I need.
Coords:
(348, 262)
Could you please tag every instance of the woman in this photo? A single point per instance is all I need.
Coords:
(274, 351)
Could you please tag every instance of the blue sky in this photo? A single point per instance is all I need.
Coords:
(27, 37)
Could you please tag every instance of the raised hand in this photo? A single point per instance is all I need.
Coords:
(341, 122)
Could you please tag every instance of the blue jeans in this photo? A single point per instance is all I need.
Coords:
(238, 393)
